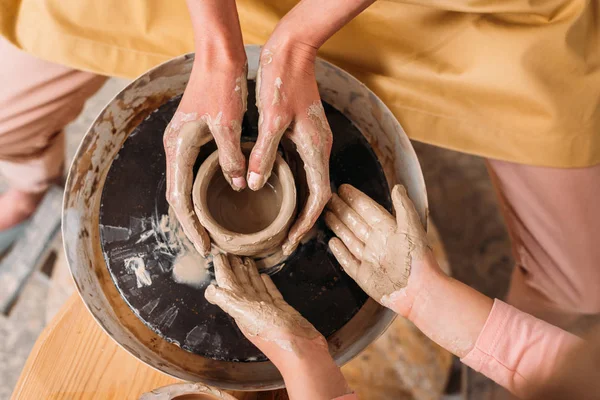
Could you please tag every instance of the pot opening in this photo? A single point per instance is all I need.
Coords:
(247, 211)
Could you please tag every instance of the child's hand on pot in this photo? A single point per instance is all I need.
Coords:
(381, 253)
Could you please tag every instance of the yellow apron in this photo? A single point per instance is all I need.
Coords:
(514, 80)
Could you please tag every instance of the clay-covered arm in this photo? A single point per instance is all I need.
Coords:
(292, 343)
(389, 258)
(289, 103)
(212, 106)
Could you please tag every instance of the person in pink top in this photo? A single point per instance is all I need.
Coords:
(390, 259)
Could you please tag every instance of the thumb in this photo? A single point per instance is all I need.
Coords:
(223, 298)
(232, 160)
(407, 217)
(182, 145)
(274, 119)
(214, 295)
(264, 152)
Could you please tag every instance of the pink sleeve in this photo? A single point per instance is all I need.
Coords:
(350, 396)
(517, 350)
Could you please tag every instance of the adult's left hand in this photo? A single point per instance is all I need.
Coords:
(289, 103)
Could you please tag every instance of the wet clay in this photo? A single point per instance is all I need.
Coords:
(375, 248)
(248, 223)
(246, 211)
(189, 267)
(188, 270)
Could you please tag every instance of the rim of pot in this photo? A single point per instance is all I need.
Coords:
(207, 171)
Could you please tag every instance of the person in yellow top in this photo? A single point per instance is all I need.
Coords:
(514, 81)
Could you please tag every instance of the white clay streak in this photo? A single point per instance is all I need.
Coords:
(137, 266)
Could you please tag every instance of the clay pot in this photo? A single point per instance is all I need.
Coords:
(245, 223)
(187, 391)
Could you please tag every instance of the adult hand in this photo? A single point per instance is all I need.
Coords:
(289, 103)
(374, 248)
(212, 106)
(288, 98)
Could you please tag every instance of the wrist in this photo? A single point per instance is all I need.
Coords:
(298, 26)
(310, 371)
(217, 32)
(293, 57)
(289, 30)
(424, 273)
(297, 352)
(220, 52)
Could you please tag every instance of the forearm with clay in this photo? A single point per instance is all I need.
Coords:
(389, 258)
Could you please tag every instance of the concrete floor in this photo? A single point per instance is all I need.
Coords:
(462, 204)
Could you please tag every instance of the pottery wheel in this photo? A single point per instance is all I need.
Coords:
(133, 204)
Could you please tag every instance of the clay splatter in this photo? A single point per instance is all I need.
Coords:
(137, 266)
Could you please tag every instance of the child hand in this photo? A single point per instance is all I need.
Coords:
(258, 308)
(374, 248)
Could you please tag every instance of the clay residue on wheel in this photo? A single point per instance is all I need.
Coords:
(189, 267)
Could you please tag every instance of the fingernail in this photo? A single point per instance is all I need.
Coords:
(239, 182)
(254, 180)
